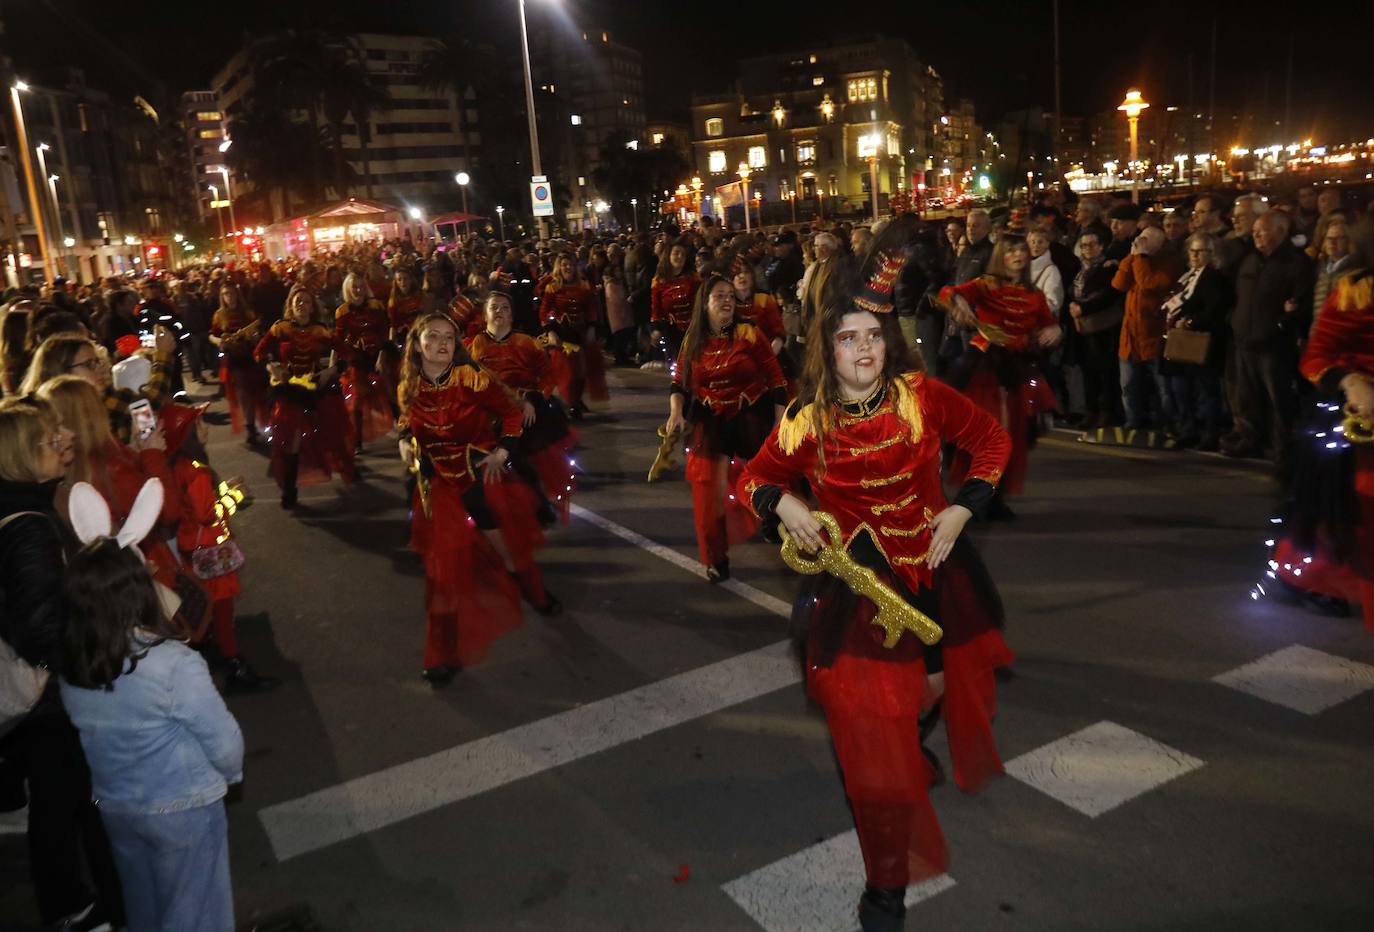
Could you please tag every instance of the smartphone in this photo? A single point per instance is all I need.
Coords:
(144, 420)
(147, 340)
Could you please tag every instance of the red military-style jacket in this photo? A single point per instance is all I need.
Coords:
(518, 361)
(735, 370)
(468, 315)
(567, 308)
(671, 300)
(299, 349)
(766, 315)
(459, 419)
(881, 469)
(363, 328)
(1342, 339)
(1008, 315)
(401, 311)
(227, 324)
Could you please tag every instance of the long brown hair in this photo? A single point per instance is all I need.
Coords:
(665, 264)
(53, 358)
(109, 596)
(81, 410)
(412, 366)
(700, 326)
(997, 264)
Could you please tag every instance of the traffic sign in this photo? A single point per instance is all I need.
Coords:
(541, 196)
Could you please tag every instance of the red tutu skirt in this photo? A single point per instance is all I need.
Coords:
(721, 518)
(583, 371)
(553, 465)
(371, 394)
(1012, 389)
(245, 389)
(595, 363)
(470, 598)
(320, 421)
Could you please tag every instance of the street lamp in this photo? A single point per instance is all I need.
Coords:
(463, 178)
(529, 109)
(500, 215)
(219, 215)
(868, 149)
(696, 190)
(57, 210)
(744, 172)
(229, 196)
(634, 210)
(1132, 106)
(35, 205)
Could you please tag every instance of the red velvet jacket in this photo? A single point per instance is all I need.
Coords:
(299, 349)
(227, 324)
(568, 308)
(1008, 315)
(402, 311)
(518, 361)
(734, 370)
(882, 469)
(468, 315)
(459, 419)
(766, 315)
(671, 300)
(363, 328)
(1342, 340)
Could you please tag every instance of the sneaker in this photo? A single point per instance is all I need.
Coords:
(882, 910)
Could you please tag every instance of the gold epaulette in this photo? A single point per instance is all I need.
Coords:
(747, 332)
(907, 406)
(1352, 295)
(797, 425)
(472, 378)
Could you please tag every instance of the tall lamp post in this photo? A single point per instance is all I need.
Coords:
(229, 196)
(42, 149)
(35, 205)
(219, 211)
(868, 149)
(1132, 106)
(535, 164)
(696, 192)
(634, 211)
(463, 178)
(501, 219)
(57, 215)
(744, 172)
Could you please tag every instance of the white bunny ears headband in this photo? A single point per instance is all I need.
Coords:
(90, 515)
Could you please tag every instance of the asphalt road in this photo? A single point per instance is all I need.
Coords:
(648, 761)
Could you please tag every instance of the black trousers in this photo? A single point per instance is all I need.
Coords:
(1263, 395)
(1102, 373)
(66, 837)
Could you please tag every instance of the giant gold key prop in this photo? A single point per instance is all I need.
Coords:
(664, 461)
(421, 480)
(895, 614)
(1357, 428)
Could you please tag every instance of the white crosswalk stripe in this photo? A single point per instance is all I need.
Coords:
(1300, 678)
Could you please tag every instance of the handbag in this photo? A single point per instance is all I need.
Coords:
(1187, 346)
(21, 683)
(193, 613)
(1102, 320)
(217, 560)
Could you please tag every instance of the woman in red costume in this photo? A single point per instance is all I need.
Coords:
(473, 520)
(568, 310)
(405, 304)
(546, 443)
(727, 384)
(235, 330)
(311, 436)
(671, 300)
(1327, 550)
(369, 391)
(865, 433)
(1000, 369)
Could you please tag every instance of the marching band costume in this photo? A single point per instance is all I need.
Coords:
(670, 308)
(470, 597)
(368, 385)
(245, 384)
(546, 446)
(729, 396)
(312, 438)
(569, 309)
(1003, 358)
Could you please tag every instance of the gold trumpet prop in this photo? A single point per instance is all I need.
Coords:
(421, 480)
(664, 461)
(895, 614)
(1357, 428)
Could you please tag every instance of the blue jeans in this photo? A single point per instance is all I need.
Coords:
(1196, 397)
(1135, 395)
(174, 868)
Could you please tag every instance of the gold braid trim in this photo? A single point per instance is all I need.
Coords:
(865, 451)
(746, 332)
(911, 561)
(895, 506)
(908, 408)
(473, 378)
(796, 428)
(1354, 295)
(874, 483)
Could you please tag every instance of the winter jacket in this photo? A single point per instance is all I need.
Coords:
(1263, 285)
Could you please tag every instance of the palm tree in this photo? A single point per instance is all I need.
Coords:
(348, 89)
(289, 75)
(267, 151)
(458, 64)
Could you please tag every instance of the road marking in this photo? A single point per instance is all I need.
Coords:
(1099, 768)
(815, 890)
(1300, 678)
(386, 797)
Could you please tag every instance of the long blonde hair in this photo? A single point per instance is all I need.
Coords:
(24, 423)
(53, 358)
(79, 408)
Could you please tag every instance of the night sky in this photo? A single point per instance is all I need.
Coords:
(997, 53)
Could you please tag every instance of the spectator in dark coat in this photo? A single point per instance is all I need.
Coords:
(1201, 301)
(1273, 299)
(1093, 333)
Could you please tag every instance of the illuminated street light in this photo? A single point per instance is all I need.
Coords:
(500, 215)
(868, 149)
(1132, 107)
(744, 172)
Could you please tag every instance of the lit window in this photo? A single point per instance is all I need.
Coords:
(209, 134)
(715, 161)
(758, 157)
(715, 127)
(806, 151)
(861, 89)
(812, 59)
(658, 139)
(576, 120)
(605, 38)
(817, 80)
(209, 116)
(581, 181)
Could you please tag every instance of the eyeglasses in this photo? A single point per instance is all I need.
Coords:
(90, 365)
(57, 442)
(1198, 252)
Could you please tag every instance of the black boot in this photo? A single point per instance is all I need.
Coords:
(882, 910)
(440, 676)
(718, 572)
(925, 725)
(288, 488)
(244, 679)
